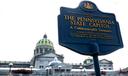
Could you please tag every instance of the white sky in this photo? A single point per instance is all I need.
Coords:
(24, 22)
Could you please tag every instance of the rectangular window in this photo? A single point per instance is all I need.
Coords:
(39, 66)
(104, 65)
(105, 68)
(110, 65)
(110, 68)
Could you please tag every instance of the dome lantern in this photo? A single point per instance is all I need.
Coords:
(45, 36)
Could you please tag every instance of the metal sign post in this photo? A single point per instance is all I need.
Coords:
(88, 31)
(95, 47)
(96, 65)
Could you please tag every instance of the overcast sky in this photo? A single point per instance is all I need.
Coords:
(24, 22)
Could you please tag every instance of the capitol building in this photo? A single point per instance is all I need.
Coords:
(46, 62)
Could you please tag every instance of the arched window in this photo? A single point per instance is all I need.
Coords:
(37, 51)
(46, 42)
(41, 50)
(34, 51)
(41, 66)
(42, 41)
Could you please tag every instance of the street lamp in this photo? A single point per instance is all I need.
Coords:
(60, 68)
(85, 73)
(10, 66)
(47, 71)
(31, 68)
(81, 67)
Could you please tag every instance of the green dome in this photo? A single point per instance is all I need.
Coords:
(44, 42)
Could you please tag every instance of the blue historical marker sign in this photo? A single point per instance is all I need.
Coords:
(88, 31)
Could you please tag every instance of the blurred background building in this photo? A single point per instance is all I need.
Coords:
(46, 62)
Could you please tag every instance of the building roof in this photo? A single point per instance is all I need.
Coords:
(106, 61)
(56, 64)
(16, 64)
(103, 61)
(52, 55)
